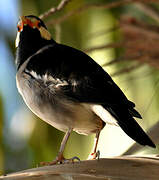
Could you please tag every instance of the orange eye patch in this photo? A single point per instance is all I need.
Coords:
(34, 23)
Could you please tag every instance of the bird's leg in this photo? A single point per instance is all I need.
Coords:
(60, 158)
(95, 154)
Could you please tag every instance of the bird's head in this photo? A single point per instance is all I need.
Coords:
(33, 28)
(32, 35)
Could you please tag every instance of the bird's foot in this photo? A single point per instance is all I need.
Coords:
(72, 160)
(94, 155)
(60, 160)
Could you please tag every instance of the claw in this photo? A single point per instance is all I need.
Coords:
(74, 158)
(94, 155)
(60, 160)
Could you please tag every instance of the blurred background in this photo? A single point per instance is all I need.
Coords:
(122, 36)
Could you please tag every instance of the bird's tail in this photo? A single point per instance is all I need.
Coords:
(130, 126)
(132, 129)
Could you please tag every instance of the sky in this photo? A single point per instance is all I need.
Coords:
(17, 123)
(9, 15)
(8, 18)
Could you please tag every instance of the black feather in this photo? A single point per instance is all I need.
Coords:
(130, 126)
(134, 113)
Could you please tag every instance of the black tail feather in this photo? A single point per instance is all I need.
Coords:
(134, 113)
(129, 125)
(133, 130)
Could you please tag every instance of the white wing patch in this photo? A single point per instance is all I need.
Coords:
(34, 74)
(104, 114)
(56, 82)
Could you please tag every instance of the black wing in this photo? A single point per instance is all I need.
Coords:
(88, 83)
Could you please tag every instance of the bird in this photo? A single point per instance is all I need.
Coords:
(69, 90)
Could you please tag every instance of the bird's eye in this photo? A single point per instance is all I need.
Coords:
(18, 28)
